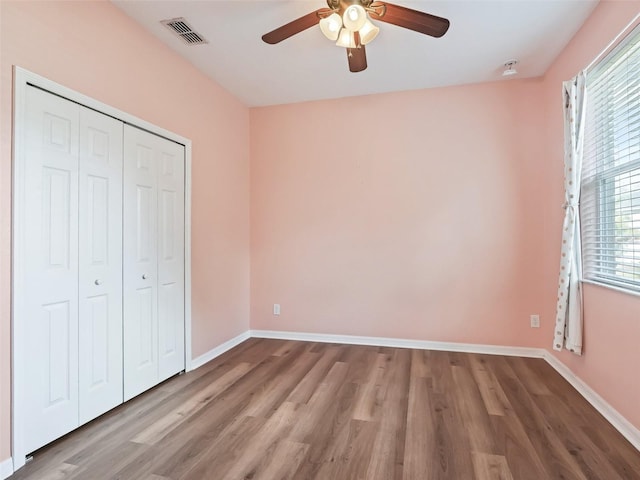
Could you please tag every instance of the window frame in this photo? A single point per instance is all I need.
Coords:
(600, 185)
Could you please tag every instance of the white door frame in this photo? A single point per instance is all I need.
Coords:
(22, 78)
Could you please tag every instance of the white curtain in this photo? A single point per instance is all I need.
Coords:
(568, 332)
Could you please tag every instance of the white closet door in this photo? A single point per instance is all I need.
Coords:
(100, 264)
(140, 262)
(153, 260)
(51, 267)
(170, 258)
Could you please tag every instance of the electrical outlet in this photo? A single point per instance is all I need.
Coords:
(276, 309)
(535, 321)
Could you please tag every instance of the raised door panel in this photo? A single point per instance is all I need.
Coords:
(140, 262)
(171, 257)
(100, 264)
(144, 330)
(49, 291)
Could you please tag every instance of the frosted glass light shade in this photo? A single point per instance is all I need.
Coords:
(346, 39)
(354, 17)
(330, 26)
(368, 32)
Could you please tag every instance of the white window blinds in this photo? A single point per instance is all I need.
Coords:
(610, 193)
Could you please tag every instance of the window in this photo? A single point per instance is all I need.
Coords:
(610, 189)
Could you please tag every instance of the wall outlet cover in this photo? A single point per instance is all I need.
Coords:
(535, 321)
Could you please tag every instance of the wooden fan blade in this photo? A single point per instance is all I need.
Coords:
(407, 18)
(297, 26)
(357, 59)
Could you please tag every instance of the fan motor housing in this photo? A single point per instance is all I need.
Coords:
(342, 5)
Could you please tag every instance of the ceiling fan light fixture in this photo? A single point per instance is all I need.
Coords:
(348, 24)
(346, 39)
(330, 26)
(368, 32)
(354, 17)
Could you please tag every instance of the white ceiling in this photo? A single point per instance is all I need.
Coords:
(482, 37)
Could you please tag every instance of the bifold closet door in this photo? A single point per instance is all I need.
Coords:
(170, 259)
(51, 270)
(73, 355)
(100, 253)
(153, 260)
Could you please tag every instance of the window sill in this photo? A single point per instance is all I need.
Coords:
(611, 287)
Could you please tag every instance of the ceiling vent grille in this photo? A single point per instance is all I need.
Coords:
(181, 28)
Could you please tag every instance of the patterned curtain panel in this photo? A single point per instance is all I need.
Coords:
(568, 332)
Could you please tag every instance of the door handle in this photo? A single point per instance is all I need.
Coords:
(144, 276)
(98, 281)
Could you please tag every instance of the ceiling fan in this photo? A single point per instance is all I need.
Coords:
(347, 22)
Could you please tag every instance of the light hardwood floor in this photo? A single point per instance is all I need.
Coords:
(272, 409)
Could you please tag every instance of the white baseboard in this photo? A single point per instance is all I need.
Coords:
(620, 423)
(6, 468)
(615, 418)
(402, 343)
(219, 350)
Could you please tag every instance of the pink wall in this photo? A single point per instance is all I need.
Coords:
(95, 49)
(361, 234)
(408, 215)
(356, 227)
(612, 319)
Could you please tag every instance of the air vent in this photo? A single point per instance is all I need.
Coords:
(181, 28)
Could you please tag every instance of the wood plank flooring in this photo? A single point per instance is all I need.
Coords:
(276, 410)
